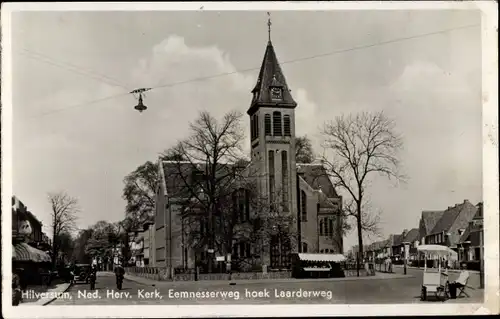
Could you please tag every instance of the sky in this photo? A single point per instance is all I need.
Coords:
(430, 85)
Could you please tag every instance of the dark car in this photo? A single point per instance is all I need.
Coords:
(81, 272)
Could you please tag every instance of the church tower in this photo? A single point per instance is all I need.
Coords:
(272, 126)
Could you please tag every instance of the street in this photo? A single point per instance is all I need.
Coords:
(367, 291)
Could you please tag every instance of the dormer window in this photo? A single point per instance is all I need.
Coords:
(276, 93)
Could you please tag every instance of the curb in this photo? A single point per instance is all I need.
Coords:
(51, 300)
(137, 279)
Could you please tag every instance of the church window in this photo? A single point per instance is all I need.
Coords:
(277, 129)
(267, 124)
(284, 179)
(303, 204)
(271, 177)
(327, 228)
(241, 205)
(286, 120)
(247, 205)
(304, 247)
(322, 227)
(256, 128)
(330, 227)
(252, 127)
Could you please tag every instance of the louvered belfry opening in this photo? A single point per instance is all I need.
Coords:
(277, 129)
(267, 124)
(286, 120)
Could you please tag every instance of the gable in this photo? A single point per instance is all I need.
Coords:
(466, 214)
(412, 235)
(430, 219)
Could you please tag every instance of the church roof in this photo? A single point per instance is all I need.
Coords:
(317, 177)
(270, 75)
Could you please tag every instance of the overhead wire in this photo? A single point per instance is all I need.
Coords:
(72, 68)
(356, 48)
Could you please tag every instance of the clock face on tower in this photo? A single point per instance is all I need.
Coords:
(276, 93)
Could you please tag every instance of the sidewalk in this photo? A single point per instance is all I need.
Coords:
(37, 296)
(211, 283)
(422, 268)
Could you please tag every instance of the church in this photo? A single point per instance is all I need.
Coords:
(307, 193)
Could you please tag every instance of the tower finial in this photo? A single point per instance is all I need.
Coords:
(269, 26)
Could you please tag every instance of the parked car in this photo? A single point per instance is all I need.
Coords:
(81, 272)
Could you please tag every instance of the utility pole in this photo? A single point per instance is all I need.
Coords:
(299, 221)
(210, 250)
(481, 260)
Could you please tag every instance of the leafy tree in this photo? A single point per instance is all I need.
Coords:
(303, 150)
(66, 244)
(140, 190)
(79, 253)
(105, 238)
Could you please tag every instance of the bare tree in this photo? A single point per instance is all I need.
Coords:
(64, 210)
(358, 146)
(206, 169)
(370, 219)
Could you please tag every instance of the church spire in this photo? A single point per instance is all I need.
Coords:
(269, 24)
(271, 87)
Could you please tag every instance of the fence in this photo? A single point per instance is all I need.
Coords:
(163, 274)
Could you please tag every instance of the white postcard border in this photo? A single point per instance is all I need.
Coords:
(490, 171)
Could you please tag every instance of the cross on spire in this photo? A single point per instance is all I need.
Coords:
(269, 26)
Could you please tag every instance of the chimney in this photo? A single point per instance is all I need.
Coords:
(449, 207)
(466, 201)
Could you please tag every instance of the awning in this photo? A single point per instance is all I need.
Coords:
(322, 257)
(316, 269)
(24, 252)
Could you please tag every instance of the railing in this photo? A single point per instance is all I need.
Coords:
(163, 274)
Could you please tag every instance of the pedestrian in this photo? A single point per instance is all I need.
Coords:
(119, 273)
(17, 295)
(93, 277)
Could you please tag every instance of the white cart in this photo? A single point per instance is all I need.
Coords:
(435, 280)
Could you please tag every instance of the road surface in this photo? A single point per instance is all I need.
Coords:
(368, 291)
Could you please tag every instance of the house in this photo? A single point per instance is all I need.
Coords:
(452, 225)
(427, 222)
(397, 245)
(380, 249)
(470, 245)
(407, 236)
(23, 218)
(302, 193)
(136, 244)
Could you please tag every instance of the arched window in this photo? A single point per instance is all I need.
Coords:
(304, 247)
(303, 204)
(252, 127)
(247, 205)
(327, 228)
(284, 179)
(330, 226)
(277, 129)
(286, 122)
(271, 177)
(256, 129)
(267, 124)
(234, 197)
(322, 227)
